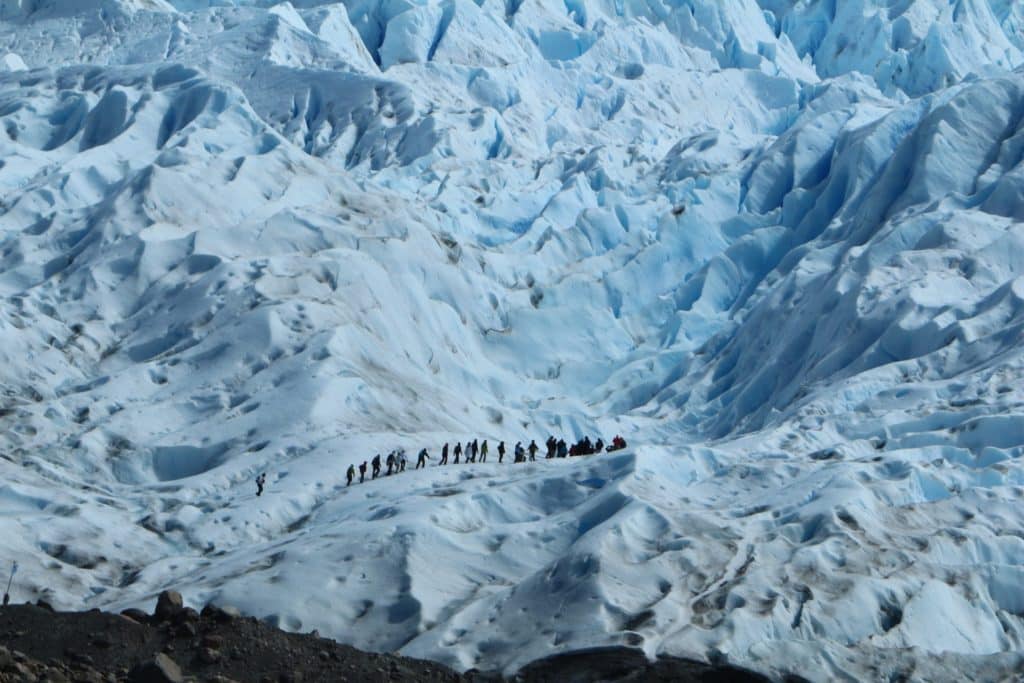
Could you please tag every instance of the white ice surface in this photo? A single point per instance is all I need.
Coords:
(777, 245)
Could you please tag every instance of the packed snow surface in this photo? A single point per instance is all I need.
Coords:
(776, 245)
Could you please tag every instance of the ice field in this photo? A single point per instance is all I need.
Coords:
(776, 244)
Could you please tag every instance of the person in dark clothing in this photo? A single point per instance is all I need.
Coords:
(563, 450)
(390, 462)
(421, 459)
(351, 474)
(470, 456)
(376, 465)
(519, 454)
(533, 448)
(401, 460)
(599, 445)
(501, 451)
(260, 481)
(483, 451)
(588, 447)
(457, 451)
(476, 449)
(551, 446)
(444, 456)
(362, 472)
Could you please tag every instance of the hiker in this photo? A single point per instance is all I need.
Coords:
(457, 451)
(401, 460)
(10, 581)
(520, 453)
(483, 451)
(551, 446)
(533, 448)
(588, 447)
(501, 451)
(476, 449)
(444, 456)
(260, 481)
(563, 450)
(351, 474)
(599, 446)
(421, 459)
(376, 465)
(362, 472)
(390, 462)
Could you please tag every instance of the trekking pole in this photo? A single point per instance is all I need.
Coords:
(7, 593)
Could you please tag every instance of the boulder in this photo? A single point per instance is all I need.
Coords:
(160, 669)
(136, 615)
(220, 614)
(168, 604)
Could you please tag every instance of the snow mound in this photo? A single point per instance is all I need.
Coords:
(12, 62)
(916, 47)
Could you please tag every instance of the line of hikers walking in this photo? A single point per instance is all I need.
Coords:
(475, 451)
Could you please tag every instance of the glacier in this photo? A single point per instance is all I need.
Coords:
(776, 244)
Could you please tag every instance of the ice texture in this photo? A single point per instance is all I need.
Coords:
(777, 245)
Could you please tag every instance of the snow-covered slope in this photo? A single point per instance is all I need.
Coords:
(777, 245)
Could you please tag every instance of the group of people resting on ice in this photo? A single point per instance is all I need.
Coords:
(475, 451)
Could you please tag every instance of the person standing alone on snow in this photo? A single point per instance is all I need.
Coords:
(260, 481)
